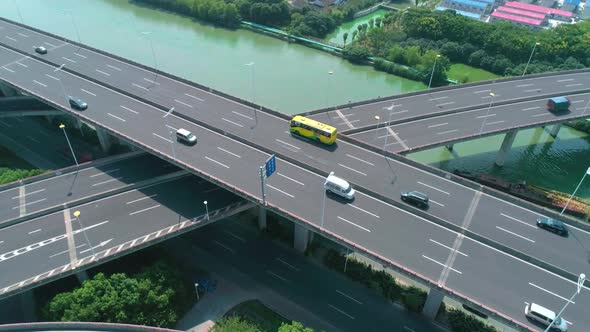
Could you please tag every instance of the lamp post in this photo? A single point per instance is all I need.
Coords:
(328, 85)
(578, 187)
(487, 112)
(60, 83)
(377, 118)
(323, 208)
(170, 131)
(69, 11)
(147, 34)
(206, 209)
(253, 89)
(77, 215)
(18, 12)
(387, 134)
(63, 127)
(585, 108)
(528, 62)
(580, 284)
(433, 67)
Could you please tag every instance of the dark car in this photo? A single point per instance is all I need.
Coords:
(41, 50)
(77, 103)
(415, 198)
(552, 225)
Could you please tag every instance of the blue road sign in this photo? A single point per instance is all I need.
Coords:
(271, 165)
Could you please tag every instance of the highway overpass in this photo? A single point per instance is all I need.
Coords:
(234, 140)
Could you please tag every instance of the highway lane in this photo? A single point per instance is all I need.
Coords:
(438, 130)
(74, 185)
(145, 84)
(40, 245)
(207, 163)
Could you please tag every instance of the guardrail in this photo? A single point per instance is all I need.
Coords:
(81, 326)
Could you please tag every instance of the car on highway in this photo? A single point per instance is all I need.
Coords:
(77, 103)
(552, 225)
(41, 50)
(558, 104)
(544, 316)
(415, 198)
(185, 136)
(339, 187)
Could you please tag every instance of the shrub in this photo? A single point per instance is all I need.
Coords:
(8, 175)
(413, 298)
(234, 324)
(462, 322)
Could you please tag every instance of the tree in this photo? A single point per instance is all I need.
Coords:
(355, 53)
(234, 324)
(354, 34)
(294, 327)
(345, 37)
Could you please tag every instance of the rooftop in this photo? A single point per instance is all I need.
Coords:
(515, 18)
(538, 9)
(470, 3)
(520, 12)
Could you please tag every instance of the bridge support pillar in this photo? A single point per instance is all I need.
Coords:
(555, 130)
(505, 148)
(27, 305)
(302, 238)
(7, 91)
(82, 276)
(433, 302)
(261, 218)
(104, 139)
(449, 147)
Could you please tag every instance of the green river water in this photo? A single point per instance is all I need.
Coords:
(287, 77)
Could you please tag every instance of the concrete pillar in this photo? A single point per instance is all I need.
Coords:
(302, 237)
(82, 276)
(104, 139)
(433, 302)
(555, 130)
(27, 305)
(505, 148)
(449, 147)
(7, 91)
(261, 218)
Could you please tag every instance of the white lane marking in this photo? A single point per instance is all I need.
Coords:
(276, 276)
(438, 125)
(496, 95)
(451, 249)
(570, 85)
(398, 112)
(139, 86)
(35, 231)
(10, 38)
(41, 84)
(494, 122)
(532, 90)
(141, 199)
(234, 235)
(33, 139)
(350, 222)
(520, 221)
(353, 121)
(116, 117)
(352, 169)
(349, 297)
(341, 116)
(541, 114)
(485, 116)
(523, 85)
(365, 211)
(68, 59)
(577, 101)
(128, 109)
(162, 137)
(52, 77)
(359, 159)
(288, 178)
(80, 55)
(531, 108)
(49, 44)
(233, 154)
(27, 194)
(340, 311)
(447, 132)
(408, 329)
(224, 246)
(107, 181)
(435, 202)
(437, 98)
(520, 236)
(482, 91)
(22, 64)
(88, 92)
(143, 210)
(441, 264)
(153, 82)
(22, 34)
(194, 97)
(217, 162)
(105, 172)
(565, 80)
(29, 203)
(10, 70)
(242, 115)
(279, 190)
(550, 292)
(291, 145)
(287, 264)
(234, 123)
(103, 72)
(183, 103)
(173, 129)
(65, 251)
(113, 67)
(435, 188)
(444, 104)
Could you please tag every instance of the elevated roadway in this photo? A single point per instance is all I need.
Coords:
(381, 229)
(24, 106)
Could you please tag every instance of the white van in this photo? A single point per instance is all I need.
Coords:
(339, 186)
(544, 316)
(185, 136)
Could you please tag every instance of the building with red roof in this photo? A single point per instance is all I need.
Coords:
(553, 13)
(531, 23)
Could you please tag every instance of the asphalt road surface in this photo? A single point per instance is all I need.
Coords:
(389, 231)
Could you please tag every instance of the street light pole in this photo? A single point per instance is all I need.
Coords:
(60, 83)
(580, 284)
(528, 62)
(585, 108)
(323, 209)
(77, 215)
(433, 66)
(330, 73)
(170, 131)
(386, 133)
(487, 112)
(19, 13)
(69, 11)
(572, 196)
(148, 33)
(63, 127)
(206, 209)
(253, 89)
(377, 117)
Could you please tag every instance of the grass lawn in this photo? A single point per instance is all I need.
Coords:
(256, 313)
(461, 72)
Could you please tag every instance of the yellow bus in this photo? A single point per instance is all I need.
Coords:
(312, 129)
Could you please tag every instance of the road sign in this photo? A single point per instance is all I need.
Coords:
(270, 165)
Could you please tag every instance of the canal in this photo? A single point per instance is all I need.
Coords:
(287, 77)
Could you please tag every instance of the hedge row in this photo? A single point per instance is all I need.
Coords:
(8, 175)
